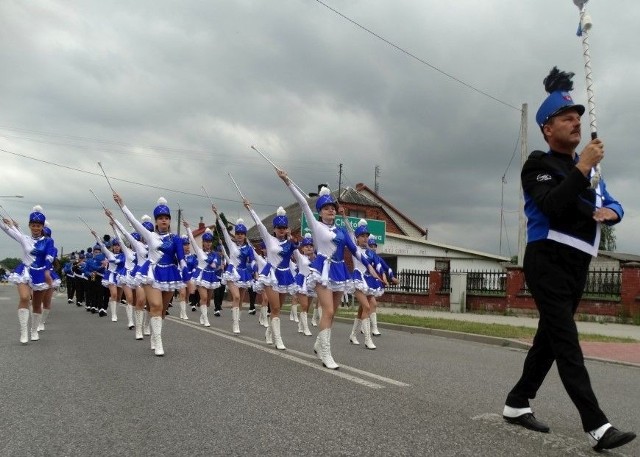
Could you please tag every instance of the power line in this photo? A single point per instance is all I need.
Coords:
(413, 56)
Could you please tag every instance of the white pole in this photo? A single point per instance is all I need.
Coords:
(522, 223)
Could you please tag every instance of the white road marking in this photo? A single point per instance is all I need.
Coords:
(296, 356)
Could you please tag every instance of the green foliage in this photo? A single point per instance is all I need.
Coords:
(10, 263)
(607, 238)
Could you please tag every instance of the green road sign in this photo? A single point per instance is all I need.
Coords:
(376, 227)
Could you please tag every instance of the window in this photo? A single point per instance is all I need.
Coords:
(357, 213)
(442, 265)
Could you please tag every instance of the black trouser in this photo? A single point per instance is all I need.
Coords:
(252, 298)
(95, 293)
(556, 275)
(71, 287)
(81, 289)
(218, 296)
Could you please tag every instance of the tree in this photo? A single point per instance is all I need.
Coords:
(10, 263)
(607, 238)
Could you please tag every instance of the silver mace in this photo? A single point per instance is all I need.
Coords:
(583, 31)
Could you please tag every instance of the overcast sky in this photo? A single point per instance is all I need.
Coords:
(173, 94)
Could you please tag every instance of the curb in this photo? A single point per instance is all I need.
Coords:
(492, 340)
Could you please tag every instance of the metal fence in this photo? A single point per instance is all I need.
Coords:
(600, 284)
(479, 282)
(411, 281)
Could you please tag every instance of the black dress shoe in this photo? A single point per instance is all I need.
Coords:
(613, 438)
(252, 311)
(528, 420)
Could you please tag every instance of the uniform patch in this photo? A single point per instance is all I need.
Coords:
(543, 177)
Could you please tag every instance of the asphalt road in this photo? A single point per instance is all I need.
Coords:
(88, 388)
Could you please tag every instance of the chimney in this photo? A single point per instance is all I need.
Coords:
(201, 223)
(320, 186)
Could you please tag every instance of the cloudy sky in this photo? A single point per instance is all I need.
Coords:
(169, 96)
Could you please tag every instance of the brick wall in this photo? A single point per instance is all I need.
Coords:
(514, 299)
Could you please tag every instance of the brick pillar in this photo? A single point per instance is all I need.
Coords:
(630, 288)
(435, 282)
(515, 283)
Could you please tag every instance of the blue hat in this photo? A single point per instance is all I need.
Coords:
(115, 242)
(89, 255)
(97, 247)
(81, 255)
(557, 84)
(362, 228)
(185, 240)
(281, 218)
(136, 236)
(37, 216)
(307, 240)
(108, 244)
(146, 223)
(372, 241)
(325, 198)
(207, 235)
(240, 227)
(162, 209)
(220, 247)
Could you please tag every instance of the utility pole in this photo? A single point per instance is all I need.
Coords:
(522, 235)
(376, 187)
(179, 219)
(339, 181)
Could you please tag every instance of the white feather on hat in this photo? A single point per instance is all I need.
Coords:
(162, 201)
(324, 191)
(281, 211)
(240, 221)
(308, 235)
(146, 218)
(37, 208)
(362, 222)
(207, 230)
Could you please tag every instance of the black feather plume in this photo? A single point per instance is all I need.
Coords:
(106, 238)
(558, 80)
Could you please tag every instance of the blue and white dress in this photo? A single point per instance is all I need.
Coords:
(116, 265)
(277, 273)
(303, 272)
(37, 257)
(165, 256)
(241, 260)
(134, 260)
(328, 268)
(208, 263)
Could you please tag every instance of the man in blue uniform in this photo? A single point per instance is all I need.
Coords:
(564, 214)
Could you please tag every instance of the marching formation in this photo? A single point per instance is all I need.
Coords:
(149, 266)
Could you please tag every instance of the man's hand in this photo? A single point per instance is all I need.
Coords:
(591, 156)
(605, 214)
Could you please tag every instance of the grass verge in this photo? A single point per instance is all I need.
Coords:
(477, 328)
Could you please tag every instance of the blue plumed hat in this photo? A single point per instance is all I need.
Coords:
(136, 236)
(185, 240)
(557, 84)
(362, 228)
(207, 235)
(325, 198)
(115, 242)
(372, 241)
(46, 230)
(146, 223)
(89, 255)
(307, 240)
(240, 227)
(162, 209)
(37, 216)
(281, 219)
(96, 247)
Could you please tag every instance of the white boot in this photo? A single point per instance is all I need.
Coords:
(146, 329)
(314, 317)
(366, 326)
(374, 324)
(43, 319)
(152, 340)
(277, 337)
(139, 315)
(325, 349)
(261, 315)
(268, 334)
(183, 311)
(23, 319)
(113, 308)
(294, 309)
(129, 309)
(35, 322)
(204, 318)
(235, 315)
(354, 329)
(291, 313)
(305, 324)
(300, 330)
(156, 324)
(265, 318)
